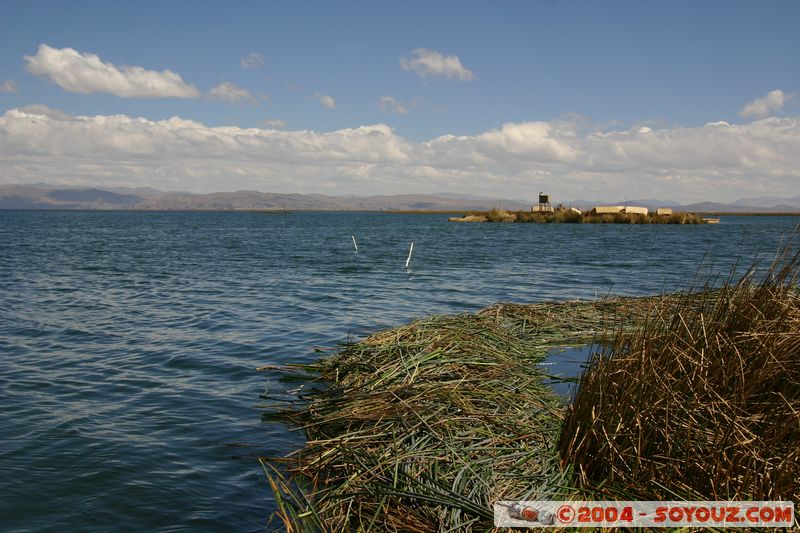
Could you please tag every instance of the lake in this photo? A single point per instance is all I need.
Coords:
(128, 340)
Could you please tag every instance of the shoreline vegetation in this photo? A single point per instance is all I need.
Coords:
(563, 215)
(693, 395)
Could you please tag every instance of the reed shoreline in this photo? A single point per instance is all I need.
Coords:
(423, 426)
(562, 215)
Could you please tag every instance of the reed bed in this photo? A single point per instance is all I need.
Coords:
(422, 427)
(562, 215)
(694, 395)
(701, 399)
(678, 217)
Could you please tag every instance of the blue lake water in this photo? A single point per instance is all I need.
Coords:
(128, 341)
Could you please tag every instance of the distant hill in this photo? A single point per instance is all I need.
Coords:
(713, 207)
(94, 196)
(39, 197)
(770, 201)
(44, 196)
(261, 200)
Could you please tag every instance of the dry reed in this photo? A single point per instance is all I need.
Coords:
(422, 427)
(702, 399)
(562, 215)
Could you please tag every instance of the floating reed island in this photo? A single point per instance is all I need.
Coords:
(693, 395)
(564, 215)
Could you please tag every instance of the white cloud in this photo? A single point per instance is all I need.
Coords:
(86, 73)
(8, 86)
(390, 104)
(228, 92)
(427, 63)
(325, 100)
(538, 141)
(568, 158)
(55, 114)
(275, 123)
(252, 61)
(761, 107)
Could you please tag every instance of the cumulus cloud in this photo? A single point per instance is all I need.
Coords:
(8, 86)
(538, 141)
(568, 158)
(252, 61)
(86, 73)
(275, 123)
(767, 104)
(228, 92)
(325, 100)
(427, 63)
(49, 112)
(390, 104)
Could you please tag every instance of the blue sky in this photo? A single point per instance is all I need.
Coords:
(619, 66)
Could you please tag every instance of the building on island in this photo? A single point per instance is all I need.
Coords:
(608, 209)
(615, 209)
(544, 204)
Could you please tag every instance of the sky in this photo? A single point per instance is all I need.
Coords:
(681, 101)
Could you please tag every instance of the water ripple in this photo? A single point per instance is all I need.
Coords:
(128, 340)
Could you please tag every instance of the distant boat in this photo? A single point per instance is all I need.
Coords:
(711, 220)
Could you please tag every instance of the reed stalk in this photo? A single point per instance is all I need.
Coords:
(702, 398)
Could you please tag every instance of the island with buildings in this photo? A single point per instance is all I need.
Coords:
(545, 213)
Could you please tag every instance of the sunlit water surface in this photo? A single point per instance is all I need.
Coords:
(128, 341)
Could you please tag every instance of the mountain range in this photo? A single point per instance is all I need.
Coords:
(45, 196)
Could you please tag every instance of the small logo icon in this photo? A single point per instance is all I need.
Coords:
(526, 513)
(565, 514)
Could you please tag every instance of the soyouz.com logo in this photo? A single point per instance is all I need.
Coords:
(767, 514)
